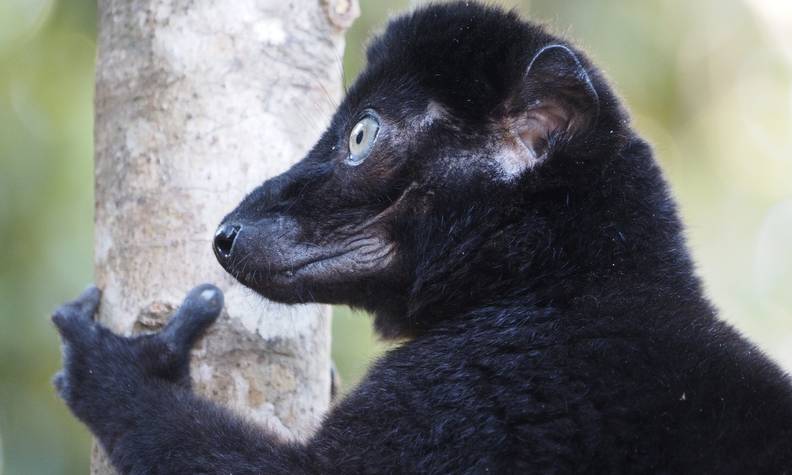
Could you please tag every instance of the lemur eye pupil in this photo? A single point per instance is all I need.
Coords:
(359, 137)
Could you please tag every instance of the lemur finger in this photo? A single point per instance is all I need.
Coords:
(60, 382)
(199, 310)
(76, 316)
(84, 306)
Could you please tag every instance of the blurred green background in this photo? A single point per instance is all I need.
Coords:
(708, 82)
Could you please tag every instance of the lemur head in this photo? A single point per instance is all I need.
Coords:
(430, 186)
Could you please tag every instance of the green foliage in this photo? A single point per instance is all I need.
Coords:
(708, 83)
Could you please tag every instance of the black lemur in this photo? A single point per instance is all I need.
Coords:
(481, 192)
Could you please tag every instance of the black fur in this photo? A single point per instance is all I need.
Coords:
(552, 316)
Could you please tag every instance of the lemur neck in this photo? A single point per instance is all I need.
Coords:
(602, 273)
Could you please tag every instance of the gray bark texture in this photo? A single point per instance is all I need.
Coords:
(198, 102)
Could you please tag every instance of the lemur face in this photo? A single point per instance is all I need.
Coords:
(440, 130)
(327, 229)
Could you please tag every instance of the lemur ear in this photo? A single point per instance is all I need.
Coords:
(555, 102)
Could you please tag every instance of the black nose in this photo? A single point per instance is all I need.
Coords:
(224, 238)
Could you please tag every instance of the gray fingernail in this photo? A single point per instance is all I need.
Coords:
(208, 294)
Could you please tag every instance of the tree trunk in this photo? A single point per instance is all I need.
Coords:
(198, 102)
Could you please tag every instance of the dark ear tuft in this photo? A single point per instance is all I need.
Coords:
(556, 101)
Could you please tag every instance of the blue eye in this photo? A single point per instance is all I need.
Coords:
(361, 139)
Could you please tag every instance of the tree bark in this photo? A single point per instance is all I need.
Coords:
(198, 102)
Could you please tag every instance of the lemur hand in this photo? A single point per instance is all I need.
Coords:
(108, 380)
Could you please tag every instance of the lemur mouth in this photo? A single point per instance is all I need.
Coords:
(362, 255)
(366, 252)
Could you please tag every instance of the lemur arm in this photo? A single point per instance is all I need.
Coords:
(424, 408)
